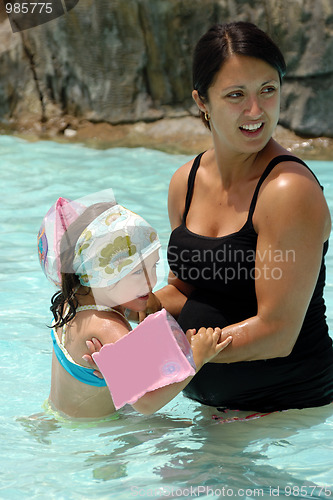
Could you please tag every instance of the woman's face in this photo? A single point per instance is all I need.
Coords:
(243, 103)
(132, 290)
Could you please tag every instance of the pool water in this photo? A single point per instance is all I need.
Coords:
(181, 451)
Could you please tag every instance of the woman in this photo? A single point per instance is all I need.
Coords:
(250, 227)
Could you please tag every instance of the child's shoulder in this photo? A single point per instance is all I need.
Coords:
(106, 326)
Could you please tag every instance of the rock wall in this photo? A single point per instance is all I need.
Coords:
(122, 61)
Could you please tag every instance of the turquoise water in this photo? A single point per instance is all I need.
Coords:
(181, 451)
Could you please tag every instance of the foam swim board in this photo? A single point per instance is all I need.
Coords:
(154, 354)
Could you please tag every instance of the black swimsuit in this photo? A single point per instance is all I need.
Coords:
(222, 272)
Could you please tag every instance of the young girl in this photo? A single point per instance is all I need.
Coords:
(107, 259)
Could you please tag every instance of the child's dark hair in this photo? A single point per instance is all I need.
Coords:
(223, 40)
(66, 298)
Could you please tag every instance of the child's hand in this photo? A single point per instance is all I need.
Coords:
(205, 344)
(93, 345)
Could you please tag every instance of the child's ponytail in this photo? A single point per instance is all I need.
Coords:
(64, 302)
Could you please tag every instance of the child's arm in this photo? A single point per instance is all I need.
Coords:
(205, 346)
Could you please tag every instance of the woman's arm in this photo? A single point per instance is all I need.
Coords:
(174, 295)
(205, 345)
(292, 222)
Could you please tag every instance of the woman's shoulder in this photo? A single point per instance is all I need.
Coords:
(180, 177)
(177, 193)
(292, 174)
(289, 173)
(291, 189)
(178, 184)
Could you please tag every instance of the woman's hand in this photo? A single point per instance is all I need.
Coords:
(205, 344)
(153, 305)
(93, 345)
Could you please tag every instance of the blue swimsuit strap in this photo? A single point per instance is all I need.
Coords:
(81, 373)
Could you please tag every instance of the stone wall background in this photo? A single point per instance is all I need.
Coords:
(126, 61)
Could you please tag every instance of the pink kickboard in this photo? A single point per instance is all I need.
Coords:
(154, 354)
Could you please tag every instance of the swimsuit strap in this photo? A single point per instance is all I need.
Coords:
(275, 161)
(190, 184)
(83, 374)
(79, 372)
(95, 307)
(61, 345)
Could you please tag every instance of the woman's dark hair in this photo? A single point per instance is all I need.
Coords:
(223, 40)
(70, 282)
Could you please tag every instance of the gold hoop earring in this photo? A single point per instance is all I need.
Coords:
(207, 116)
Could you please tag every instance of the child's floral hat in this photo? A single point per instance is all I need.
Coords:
(112, 246)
